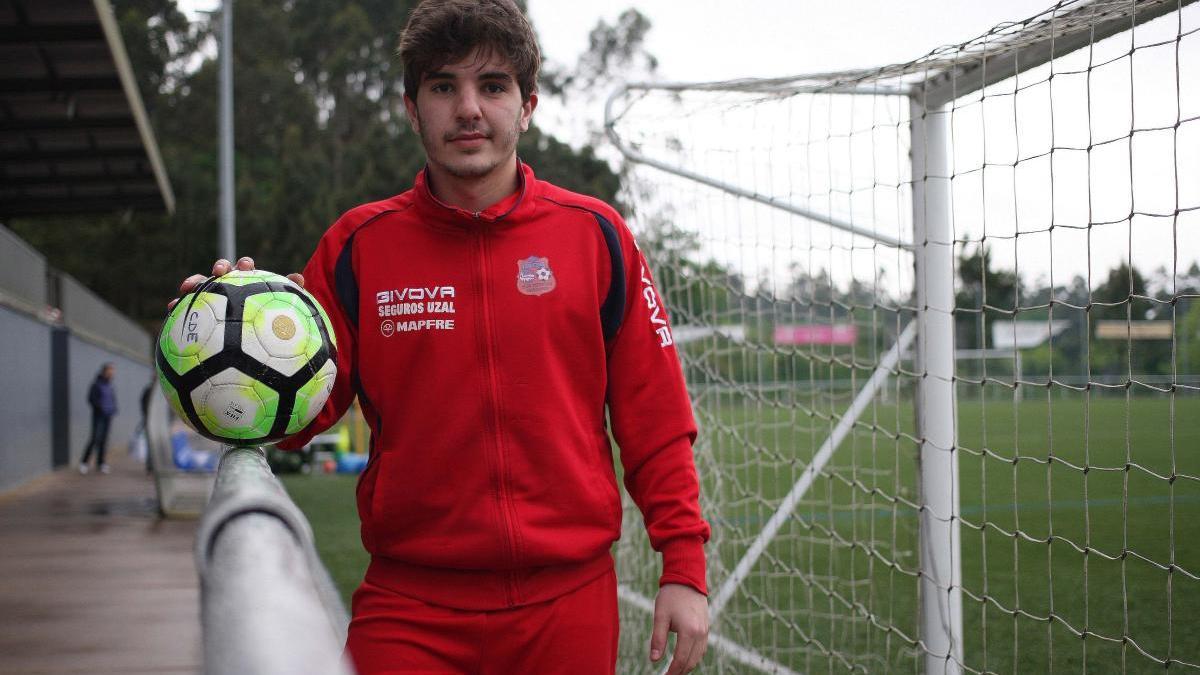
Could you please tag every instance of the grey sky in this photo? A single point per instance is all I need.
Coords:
(716, 39)
(705, 40)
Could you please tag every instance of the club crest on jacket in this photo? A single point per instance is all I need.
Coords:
(534, 276)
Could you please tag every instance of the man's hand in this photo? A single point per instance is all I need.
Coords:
(681, 610)
(221, 268)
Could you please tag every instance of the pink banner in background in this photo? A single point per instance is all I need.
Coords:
(816, 334)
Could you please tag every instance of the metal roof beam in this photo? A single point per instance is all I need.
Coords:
(135, 152)
(71, 32)
(117, 179)
(37, 124)
(57, 85)
(41, 207)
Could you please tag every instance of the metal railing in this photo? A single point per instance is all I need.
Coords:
(268, 606)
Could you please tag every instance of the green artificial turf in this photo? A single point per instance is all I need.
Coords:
(328, 502)
(1063, 569)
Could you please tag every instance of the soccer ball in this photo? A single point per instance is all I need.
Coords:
(247, 358)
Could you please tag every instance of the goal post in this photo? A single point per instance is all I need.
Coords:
(933, 242)
(838, 246)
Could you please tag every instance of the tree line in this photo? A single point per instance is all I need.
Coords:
(707, 293)
(319, 127)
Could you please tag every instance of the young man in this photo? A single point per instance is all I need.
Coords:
(485, 319)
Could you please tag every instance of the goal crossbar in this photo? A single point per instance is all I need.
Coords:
(1051, 35)
(952, 71)
(637, 157)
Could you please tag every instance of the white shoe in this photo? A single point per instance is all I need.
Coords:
(104, 469)
(83, 469)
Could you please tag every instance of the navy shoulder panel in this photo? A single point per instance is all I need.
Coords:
(345, 283)
(612, 311)
(613, 308)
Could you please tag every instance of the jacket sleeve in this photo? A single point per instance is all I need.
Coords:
(321, 278)
(652, 421)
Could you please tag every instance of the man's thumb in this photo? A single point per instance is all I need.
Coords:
(658, 635)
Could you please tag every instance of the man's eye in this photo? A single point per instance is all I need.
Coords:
(493, 88)
(440, 88)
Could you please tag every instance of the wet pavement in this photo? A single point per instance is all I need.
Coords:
(93, 581)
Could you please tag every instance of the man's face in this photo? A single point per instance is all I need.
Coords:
(469, 115)
(109, 371)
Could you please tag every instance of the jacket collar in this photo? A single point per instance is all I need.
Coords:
(507, 211)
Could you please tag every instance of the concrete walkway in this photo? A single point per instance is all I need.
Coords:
(92, 581)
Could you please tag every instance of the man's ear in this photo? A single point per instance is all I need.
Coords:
(527, 111)
(414, 120)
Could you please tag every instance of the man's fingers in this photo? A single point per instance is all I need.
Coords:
(699, 651)
(683, 649)
(223, 266)
(190, 283)
(297, 279)
(682, 661)
(699, 631)
(658, 635)
(187, 285)
(220, 268)
(699, 646)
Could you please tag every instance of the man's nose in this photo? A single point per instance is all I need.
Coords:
(468, 106)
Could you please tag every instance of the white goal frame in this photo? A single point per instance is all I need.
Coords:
(931, 89)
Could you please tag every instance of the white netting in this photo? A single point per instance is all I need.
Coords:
(786, 255)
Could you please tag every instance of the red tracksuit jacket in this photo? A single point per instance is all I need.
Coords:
(483, 348)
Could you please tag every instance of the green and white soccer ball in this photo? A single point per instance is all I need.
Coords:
(247, 358)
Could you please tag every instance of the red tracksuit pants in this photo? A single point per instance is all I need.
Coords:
(574, 633)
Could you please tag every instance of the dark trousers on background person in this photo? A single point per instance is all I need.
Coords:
(99, 439)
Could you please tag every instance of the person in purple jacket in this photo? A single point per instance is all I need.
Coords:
(102, 397)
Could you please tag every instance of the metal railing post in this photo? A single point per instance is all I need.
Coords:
(268, 605)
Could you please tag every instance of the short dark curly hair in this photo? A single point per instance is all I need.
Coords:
(446, 31)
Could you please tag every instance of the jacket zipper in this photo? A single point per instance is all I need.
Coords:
(488, 348)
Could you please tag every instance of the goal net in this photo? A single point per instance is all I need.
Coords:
(941, 327)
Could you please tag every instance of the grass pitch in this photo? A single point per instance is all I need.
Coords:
(1080, 536)
(327, 500)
